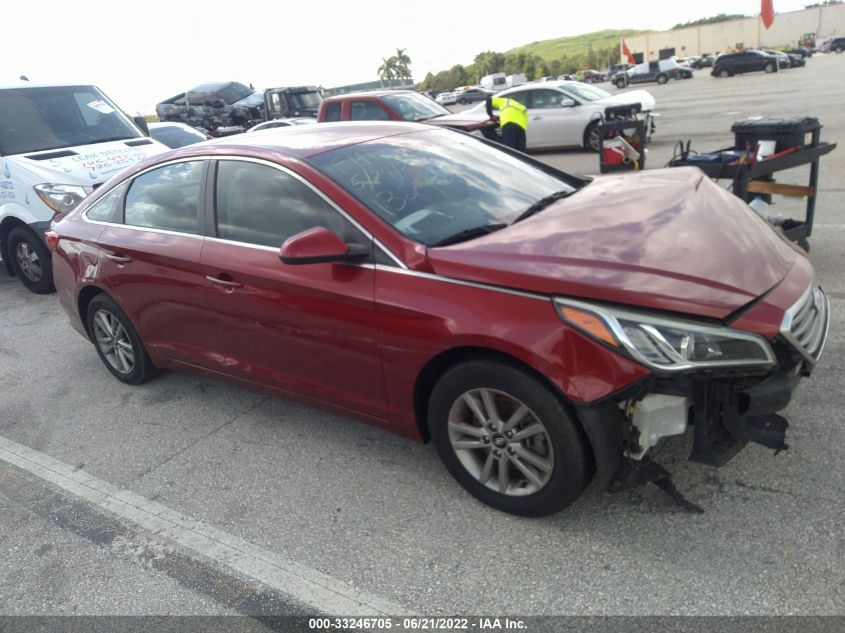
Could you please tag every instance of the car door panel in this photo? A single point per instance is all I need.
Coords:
(145, 262)
(305, 329)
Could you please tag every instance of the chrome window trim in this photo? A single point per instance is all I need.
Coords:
(793, 310)
(461, 282)
(325, 198)
(84, 214)
(251, 159)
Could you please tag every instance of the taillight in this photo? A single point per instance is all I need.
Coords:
(52, 239)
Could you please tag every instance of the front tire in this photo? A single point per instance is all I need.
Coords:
(508, 439)
(662, 79)
(724, 74)
(592, 141)
(117, 342)
(30, 260)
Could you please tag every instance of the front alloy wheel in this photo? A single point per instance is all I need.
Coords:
(501, 442)
(30, 260)
(507, 438)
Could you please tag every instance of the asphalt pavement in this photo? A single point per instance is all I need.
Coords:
(190, 496)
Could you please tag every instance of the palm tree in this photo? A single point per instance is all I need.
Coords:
(387, 71)
(402, 63)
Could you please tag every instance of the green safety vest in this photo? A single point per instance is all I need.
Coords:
(510, 111)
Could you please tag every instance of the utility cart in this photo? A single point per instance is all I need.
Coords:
(622, 138)
(787, 143)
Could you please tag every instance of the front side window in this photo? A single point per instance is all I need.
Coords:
(546, 99)
(585, 92)
(262, 205)
(109, 208)
(431, 185)
(166, 198)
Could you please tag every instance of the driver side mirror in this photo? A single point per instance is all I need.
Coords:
(141, 122)
(319, 246)
(567, 103)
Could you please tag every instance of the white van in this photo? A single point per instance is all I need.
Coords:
(495, 82)
(57, 144)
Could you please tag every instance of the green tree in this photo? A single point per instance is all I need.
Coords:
(387, 71)
(402, 65)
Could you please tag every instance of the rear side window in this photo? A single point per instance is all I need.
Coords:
(367, 111)
(333, 111)
(166, 198)
(109, 208)
(261, 205)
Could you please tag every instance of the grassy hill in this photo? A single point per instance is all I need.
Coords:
(573, 45)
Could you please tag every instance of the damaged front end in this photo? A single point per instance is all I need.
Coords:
(728, 385)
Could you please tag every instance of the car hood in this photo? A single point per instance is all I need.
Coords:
(666, 239)
(466, 120)
(89, 164)
(643, 97)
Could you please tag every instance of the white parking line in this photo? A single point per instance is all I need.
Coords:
(324, 593)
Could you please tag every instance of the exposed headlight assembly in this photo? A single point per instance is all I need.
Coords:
(667, 343)
(60, 198)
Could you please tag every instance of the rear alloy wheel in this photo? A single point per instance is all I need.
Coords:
(31, 260)
(724, 73)
(507, 439)
(662, 79)
(620, 83)
(118, 344)
(769, 68)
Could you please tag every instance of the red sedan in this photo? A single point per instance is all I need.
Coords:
(541, 329)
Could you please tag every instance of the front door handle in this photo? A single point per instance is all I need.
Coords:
(224, 282)
(119, 259)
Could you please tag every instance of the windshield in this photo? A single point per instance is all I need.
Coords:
(306, 99)
(233, 92)
(414, 107)
(36, 119)
(585, 92)
(434, 184)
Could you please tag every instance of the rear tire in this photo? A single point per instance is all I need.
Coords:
(117, 342)
(769, 68)
(662, 79)
(536, 467)
(31, 260)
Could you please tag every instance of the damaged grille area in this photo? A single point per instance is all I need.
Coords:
(805, 323)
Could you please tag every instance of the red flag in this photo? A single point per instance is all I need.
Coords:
(627, 51)
(767, 12)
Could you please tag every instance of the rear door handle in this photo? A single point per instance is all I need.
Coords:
(120, 259)
(223, 282)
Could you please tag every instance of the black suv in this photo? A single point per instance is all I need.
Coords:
(744, 62)
(837, 45)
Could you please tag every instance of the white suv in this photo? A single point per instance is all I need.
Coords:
(57, 144)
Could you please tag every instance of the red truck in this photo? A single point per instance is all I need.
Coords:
(399, 105)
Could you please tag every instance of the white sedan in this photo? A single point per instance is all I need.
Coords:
(446, 98)
(563, 113)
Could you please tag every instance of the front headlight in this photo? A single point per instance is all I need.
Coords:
(667, 343)
(60, 198)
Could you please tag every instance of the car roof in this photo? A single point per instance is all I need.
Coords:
(304, 141)
(554, 83)
(369, 93)
(16, 85)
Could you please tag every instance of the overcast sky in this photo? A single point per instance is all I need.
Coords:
(140, 53)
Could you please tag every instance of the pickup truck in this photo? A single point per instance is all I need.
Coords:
(230, 107)
(400, 105)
